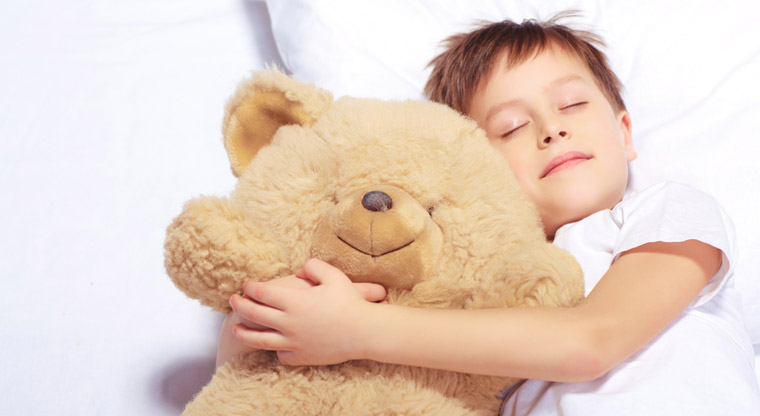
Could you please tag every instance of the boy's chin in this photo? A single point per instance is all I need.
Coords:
(574, 207)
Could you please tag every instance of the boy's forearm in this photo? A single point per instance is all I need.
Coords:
(616, 319)
(543, 343)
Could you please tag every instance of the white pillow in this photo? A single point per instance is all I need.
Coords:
(690, 69)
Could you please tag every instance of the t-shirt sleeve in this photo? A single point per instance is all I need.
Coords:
(672, 212)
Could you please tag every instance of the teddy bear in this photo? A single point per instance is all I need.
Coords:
(406, 194)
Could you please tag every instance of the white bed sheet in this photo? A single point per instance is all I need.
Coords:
(110, 118)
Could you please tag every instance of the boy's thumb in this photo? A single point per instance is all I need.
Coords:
(319, 272)
(372, 292)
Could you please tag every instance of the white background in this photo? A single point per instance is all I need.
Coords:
(110, 115)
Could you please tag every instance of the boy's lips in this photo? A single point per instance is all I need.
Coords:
(564, 161)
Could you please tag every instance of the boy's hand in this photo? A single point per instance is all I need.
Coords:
(231, 346)
(316, 321)
(241, 306)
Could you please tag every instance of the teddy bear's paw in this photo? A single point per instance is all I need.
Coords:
(210, 252)
(532, 275)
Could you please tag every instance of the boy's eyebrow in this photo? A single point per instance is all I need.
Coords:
(495, 109)
(552, 85)
(564, 80)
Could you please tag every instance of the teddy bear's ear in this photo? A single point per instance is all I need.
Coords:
(263, 104)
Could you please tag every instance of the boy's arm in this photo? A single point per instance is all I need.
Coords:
(639, 296)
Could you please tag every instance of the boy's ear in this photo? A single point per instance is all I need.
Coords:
(261, 106)
(626, 130)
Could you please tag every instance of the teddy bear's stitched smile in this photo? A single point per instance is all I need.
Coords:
(375, 255)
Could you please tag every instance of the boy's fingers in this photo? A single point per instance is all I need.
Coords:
(248, 324)
(274, 296)
(236, 318)
(262, 340)
(257, 314)
(291, 281)
(371, 292)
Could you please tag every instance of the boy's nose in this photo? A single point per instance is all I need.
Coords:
(561, 133)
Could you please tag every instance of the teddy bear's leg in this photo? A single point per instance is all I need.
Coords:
(222, 395)
(258, 385)
(413, 401)
(378, 389)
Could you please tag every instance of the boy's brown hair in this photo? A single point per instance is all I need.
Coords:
(470, 58)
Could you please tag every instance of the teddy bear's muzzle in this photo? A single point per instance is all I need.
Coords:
(380, 235)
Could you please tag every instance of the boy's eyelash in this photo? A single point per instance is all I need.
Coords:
(574, 105)
(509, 133)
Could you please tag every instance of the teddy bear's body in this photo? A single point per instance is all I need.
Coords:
(406, 194)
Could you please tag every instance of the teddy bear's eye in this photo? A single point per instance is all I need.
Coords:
(430, 209)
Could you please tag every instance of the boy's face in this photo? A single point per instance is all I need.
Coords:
(565, 144)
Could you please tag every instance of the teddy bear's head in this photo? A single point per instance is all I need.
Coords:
(406, 194)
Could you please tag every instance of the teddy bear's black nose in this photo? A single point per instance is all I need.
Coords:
(377, 201)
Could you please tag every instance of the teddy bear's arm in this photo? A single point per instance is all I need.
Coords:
(210, 251)
(533, 275)
(557, 277)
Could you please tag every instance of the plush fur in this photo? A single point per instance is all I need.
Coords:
(460, 234)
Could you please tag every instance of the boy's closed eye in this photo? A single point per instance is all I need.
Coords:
(574, 106)
(516, 127)
(514, 130)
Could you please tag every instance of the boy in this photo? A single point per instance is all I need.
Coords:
(660, 331)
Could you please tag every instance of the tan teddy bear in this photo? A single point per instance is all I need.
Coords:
(406, 194)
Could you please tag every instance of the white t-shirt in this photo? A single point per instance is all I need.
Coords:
(703, 363)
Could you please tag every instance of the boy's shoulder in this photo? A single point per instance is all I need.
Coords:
(666, 197)
(673, 211)
(667, 190)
